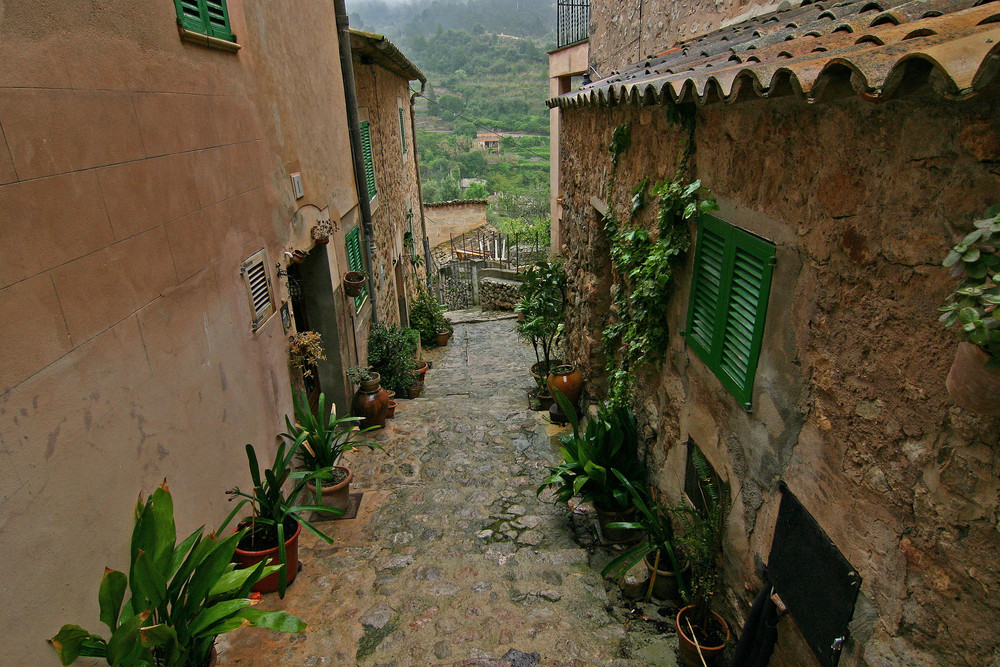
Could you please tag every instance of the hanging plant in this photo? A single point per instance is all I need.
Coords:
(322, 231)
(306, 349)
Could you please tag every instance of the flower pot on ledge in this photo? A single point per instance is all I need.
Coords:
(354, 283)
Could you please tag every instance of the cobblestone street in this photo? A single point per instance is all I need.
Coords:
(452, 560)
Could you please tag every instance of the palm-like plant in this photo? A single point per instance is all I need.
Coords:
(596, 461)
(273, 510)
(182, 596)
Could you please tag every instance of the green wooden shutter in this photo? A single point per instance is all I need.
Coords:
(402, 130)
(356, 263)
(207, 17)
(366, 149)
(728, 303)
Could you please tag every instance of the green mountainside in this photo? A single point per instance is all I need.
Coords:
(487, 71)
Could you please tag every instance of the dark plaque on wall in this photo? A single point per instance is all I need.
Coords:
(816, 583)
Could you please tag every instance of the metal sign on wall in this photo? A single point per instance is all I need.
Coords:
(815, 581)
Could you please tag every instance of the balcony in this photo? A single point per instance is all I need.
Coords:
(572, 21)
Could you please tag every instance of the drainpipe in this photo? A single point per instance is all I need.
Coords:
(354, 129)
(420, 191)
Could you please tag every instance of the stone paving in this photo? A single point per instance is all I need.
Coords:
(452, 560)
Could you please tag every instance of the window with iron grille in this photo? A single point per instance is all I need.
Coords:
(258, 285)
(366, 150)
(205, 17)
(728, 302)
(356, 263)
(402, 130)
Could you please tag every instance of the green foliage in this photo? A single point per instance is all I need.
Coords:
(360, 374)
(326, 439)
(182, 597)
(391, 353)
(427, 317)
(643, 263)
(476, 191)
(272, 508)
(542, 305)
(974, 302)
(621, 141)
(597, 462)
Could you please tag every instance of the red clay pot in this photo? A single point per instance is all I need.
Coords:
(665, 586)
(421, 370)
(391, 413)
(335, 495)
(689, 654)
(269, 584)
(567, 380)
(354, 282)
(371, 403)
(617, 535)
(442, 338)
(970, 384)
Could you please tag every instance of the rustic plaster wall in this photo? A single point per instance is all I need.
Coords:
(849, 406)
(136, 173)
(626, 32)
(453, 218)
(383, 93)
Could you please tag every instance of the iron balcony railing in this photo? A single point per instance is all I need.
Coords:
(572, 21)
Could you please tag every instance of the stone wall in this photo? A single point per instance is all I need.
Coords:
(498, 293)
(626, 32)
(382, 93)
(849, 406)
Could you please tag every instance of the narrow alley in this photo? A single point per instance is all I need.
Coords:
(452, 560)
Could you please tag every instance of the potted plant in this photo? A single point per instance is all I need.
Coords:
(660, 550)
(543, 306)
(974, 379)
(427, 317)
(590, 459)
(182, 596)
(354, 282)
(701, 632)
(371, 402)
(323, 441)
(276, 521)
(306, 349)
(391, 353)
(321, 232)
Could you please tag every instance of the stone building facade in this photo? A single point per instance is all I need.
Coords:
(148, 219)
(382, 79)
(861, 202)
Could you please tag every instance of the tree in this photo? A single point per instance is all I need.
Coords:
(476, 191)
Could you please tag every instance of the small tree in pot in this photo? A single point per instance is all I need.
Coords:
(542, 307)
(974, 380)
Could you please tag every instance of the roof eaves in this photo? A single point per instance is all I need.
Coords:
(391, 57)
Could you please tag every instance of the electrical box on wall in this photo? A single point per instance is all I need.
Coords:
(297, 185)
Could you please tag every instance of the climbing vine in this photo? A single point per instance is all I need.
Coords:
(643, 262)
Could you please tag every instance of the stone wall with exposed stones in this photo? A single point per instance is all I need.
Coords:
(849, 406)
(498, 293)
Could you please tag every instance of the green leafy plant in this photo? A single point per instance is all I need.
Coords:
(427, 317)
(182, 596)
(360, 374)
(391, 352)
(542, 307)
(323, 439)
(274, 512)
(597, 460)
(621, 141)
(974, 302)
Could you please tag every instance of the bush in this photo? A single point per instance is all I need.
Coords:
(392, 352)
(427, 317)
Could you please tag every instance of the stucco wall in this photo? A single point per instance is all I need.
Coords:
(382, 93)
(849, 405)
(136, 173)
(448, 219)
(628, 31)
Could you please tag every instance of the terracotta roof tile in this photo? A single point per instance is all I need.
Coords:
(869, 43)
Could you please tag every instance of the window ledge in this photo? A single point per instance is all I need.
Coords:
(205, 40)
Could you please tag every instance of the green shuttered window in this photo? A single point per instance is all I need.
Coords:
(356, 263)
(206, 17)
(402, 130)
(366, 149)
(728, 302)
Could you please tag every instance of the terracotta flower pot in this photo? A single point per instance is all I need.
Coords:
(567, 380)
(617, 535)
(322, 241)
(415, 390)
(392, 409)
(354, 282)
(442, 338)
(269, 584)
(544, 400)
(689, 654)
(299, 256)
(335, 495)
(371, 403)
(421, 371)
(970, 384)
(534, 368)
(665, 585)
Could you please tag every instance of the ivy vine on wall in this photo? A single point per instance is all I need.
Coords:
(643, 262)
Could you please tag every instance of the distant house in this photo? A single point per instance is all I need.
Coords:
(489, 141)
